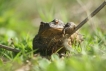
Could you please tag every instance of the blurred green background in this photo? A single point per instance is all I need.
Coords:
(24, 16)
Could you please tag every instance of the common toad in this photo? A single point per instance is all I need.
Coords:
(54, 37)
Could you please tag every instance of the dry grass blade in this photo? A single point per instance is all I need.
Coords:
(90, 16)
(9, 48)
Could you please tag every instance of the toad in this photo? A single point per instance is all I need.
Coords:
(54, 37)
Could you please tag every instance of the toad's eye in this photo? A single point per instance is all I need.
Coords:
(56, 21)
(68, 24)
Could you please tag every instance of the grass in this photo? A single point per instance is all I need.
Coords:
(19, 23)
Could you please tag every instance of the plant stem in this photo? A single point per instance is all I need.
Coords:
(9, 48)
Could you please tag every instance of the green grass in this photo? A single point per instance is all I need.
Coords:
(19, 23)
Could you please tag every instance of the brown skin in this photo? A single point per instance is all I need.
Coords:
(52, 36)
